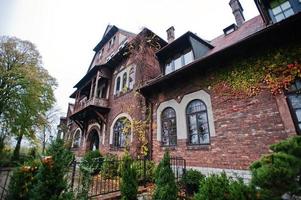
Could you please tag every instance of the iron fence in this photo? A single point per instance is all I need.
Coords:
(102, 182)
(5, 174)
(105, 182)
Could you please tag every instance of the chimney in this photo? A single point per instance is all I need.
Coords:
(237, 12)
(170, 34)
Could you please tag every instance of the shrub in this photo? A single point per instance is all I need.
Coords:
(279, 172)
(240, 191)
(221, 187)
(129, 183)
(110, 166)
(166, 188)
(191, 181)
(91, 162)
(51, 180)
(22, 181)
(150, 167)
(215, 187)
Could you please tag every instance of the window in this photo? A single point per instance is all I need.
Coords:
(178, 63)
(188, 57)
(131, 78)
(76, 139)
(119, 135)
(294, 101)
(169, 68)
(169, 128)
(281, 9)
(181, 60)
(197, 123)
(100, 53)
(118, 85)
(124, 81)
(111, 43)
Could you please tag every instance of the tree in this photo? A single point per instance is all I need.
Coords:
(51, 182)
(166, 188)
(279, 172)
(26, 90)
(129, 182)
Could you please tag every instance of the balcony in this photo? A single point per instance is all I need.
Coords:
(93, 102)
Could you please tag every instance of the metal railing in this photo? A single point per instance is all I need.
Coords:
(94, 101)
(106, 182)
(5, 174)
(102, 182)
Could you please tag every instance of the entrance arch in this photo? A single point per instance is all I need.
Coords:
(93, 140)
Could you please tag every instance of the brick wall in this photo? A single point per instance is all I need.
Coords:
(245, 127)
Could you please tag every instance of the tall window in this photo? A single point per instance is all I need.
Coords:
(169, 128)
(76, 139)
(197, 123)
(294, 101)
(118, 84)
(119, 134)
(131, 78)
(281, 9)
(124, 80)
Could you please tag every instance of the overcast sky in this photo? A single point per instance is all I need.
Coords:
(66, 31)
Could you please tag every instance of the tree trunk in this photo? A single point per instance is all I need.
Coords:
(16, 153)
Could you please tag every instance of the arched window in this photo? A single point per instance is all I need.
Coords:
(197, 123)
(124, 81)
(169, 128)
(76, 139)
(131, 78)
(117, 84)
(120, 132)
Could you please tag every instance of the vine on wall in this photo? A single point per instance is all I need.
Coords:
(274, 70)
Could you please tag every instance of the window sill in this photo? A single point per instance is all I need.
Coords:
(169, 148)
(122, 93)
(198, 147)
(117, 148)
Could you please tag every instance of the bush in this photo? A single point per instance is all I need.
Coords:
(215, 187)
(129, 183)
(91, 162)
(50, 179)
(22, 181)
(110, 166)
(166, 188)
(279, 172)
(221, 187)
(150, 168)
(191, 181)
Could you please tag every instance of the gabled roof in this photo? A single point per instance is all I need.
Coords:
(179, 42)
(109, 32)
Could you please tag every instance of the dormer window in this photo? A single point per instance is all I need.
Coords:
(179, 61)
(280, 9)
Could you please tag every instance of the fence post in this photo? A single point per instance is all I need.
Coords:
(73, 173)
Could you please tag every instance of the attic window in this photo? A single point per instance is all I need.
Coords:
(179, 61)
(230, 29)
(280, 9)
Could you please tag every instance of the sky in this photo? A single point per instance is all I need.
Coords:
(66, 31)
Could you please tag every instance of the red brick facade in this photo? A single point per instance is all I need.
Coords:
(244, 130)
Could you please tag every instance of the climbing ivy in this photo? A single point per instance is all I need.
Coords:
(274, 69)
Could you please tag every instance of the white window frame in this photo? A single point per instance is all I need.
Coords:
(180, 108)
